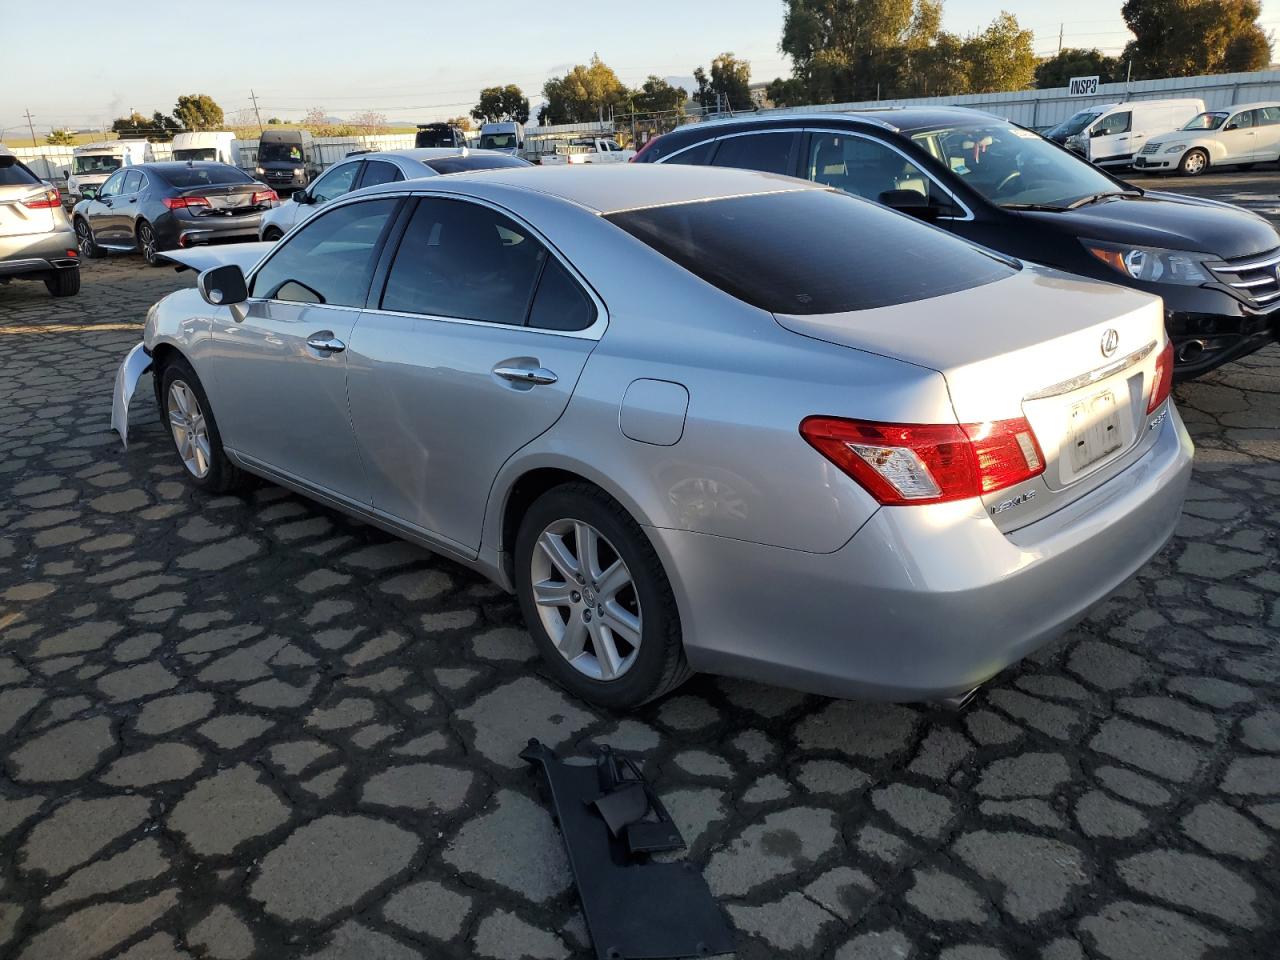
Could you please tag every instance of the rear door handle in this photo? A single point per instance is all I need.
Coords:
(537, 375)
(326, 343)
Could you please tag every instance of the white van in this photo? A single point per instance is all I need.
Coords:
(205, 145)
(505, 136)
(92, 163)
(1112, 134)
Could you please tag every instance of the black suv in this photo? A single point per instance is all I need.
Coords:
(439, 135)
(1005, 187)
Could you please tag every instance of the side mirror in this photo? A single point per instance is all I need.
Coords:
(89, 192)
(912, 202)
(223, 286)
(300, 196)
(1231, 126)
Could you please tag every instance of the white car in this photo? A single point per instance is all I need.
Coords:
(1240, 136)
(368, 169)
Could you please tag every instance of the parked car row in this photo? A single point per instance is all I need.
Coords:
(704, 419)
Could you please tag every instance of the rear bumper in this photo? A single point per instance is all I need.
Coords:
(922, 603)
(185, 231)
(37, 253)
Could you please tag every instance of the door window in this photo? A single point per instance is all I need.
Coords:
(865, 167)
(464, 260)
(695, 156)
(560, 303)
(331, 259)
(132, 183)
(1115, 123)
(1267, 116)
(112, 187)
(768, 152)
(335, 182)
(379, 171)
(1241, 121)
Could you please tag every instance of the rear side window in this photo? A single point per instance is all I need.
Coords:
(132, 182)
(331, 259)
(202, 176)
(767, 152)
(560, 304)
(812, 251)
(472, 162)
(13, 173)
(379, 171)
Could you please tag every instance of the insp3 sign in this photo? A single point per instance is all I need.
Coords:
(1083, 87)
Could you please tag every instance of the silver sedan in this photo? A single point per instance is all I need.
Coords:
(696, 419)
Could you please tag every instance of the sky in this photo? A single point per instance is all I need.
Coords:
(419, 60)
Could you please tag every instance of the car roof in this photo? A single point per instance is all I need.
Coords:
(423, 154)
(897, 119)
(165, 165)
(1236, 107)
(613, 188)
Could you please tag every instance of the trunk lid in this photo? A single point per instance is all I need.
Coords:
(1030, 346)
(227, 199)
(17, 219)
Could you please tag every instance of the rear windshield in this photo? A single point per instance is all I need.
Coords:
(14, 174)
(204, 176)
(812, 251)
(434, 137)
(463, 164)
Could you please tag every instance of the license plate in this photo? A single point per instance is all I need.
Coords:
(1095, 429)
(231, 201)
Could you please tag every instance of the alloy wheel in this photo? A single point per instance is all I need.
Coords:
(84, 239)
(190, 432)
(147, 240)
(586, 599)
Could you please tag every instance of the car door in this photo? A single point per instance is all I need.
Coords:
(126, 207)
(337, 181)
(472, 351)
(1109, 138)
(1239, 138)
(281, 373)
(101, 211)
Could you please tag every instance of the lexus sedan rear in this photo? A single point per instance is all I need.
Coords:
(698, 420)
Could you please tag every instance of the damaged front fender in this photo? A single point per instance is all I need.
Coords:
(136, 362)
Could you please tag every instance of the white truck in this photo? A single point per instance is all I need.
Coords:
(92, 163)
(588, 150)
(205, 145)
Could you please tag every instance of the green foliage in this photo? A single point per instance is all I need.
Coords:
(1184, 38)
(60, 138)
(731, 81)
(703, 92)
(502, 103)
(135, 123)
(1057, 71)
(587, 92)
(657, 96)
(1001, 57)
(162, 127)
(274, 122)
(198, 111)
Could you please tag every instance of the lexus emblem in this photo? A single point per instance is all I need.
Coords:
(1110, 340)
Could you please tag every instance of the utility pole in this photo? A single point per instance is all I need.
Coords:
(31, 128)
(1061, 28)
(254, 97)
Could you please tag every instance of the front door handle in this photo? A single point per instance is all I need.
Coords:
(326, 343)
(536, 375)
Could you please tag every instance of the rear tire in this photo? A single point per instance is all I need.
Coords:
(148, 244)
(651, 667)
(63, 283)
(86, 242)
(185, 411)
(1193, 163)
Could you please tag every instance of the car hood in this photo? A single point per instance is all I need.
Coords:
(1168, 220)
(244, 255)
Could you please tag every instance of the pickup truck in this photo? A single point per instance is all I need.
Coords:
(588, 150)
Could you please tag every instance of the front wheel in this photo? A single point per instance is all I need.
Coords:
(272, 234)
(86, 242)
(1193, 163)
(184, 408)
(63, 283)
(596, 599)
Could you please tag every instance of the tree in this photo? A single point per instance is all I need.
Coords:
(1183, 38)
(587, 92)
(703, 93)
(1001, 57)
(502, 103)
(731, 81)
(370, 122)
(274, 122)
(1057, 71)
(462, 123)
(163, 127)
(198, 111)
(135, 123)
(787, 92)
(657, 96)
(60, 138)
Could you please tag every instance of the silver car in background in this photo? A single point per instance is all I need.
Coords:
(360, 170)
(36, 238)
(697, 419)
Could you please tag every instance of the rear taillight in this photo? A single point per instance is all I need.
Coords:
(265, 196)
(179, 203)
(917, 463)
(43, 201)
(1162, 381)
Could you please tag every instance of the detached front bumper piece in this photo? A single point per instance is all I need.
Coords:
(136, 362)
(635, 908)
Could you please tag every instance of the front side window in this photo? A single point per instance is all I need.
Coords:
(812, 251)
(1012, 167)
(331, 259)
(1112, 125)
(335, 182)
(868, 168)
(114, 185)
(463, 260)
(1241, 121)
(767, 152)
(379, 171)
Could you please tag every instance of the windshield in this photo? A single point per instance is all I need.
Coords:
(1206, 121)
(205, 153)
(1075, 123)
(1014, 167)
(498, 141)
(279, 153)
(95, 163)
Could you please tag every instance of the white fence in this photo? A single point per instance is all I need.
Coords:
(1047, 108)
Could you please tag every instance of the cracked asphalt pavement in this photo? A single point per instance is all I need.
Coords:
(249, 727)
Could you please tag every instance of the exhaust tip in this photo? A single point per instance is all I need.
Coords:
(1191, 350)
